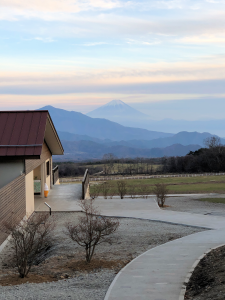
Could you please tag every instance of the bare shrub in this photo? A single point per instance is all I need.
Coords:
(122, 188)
(144, 190)
(92, 228)
(161, 191)
(95, 191)
(105, 187)
(112, 191)
(28, 238)
(132, 191)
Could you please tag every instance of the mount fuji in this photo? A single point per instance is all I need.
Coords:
(119, 112)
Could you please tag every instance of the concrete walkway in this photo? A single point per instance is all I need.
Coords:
(63, 197)
(159, 273)
(149, 210)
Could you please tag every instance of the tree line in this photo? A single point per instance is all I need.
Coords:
(208, 159)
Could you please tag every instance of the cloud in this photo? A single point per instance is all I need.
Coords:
(141, 42)
(135, 77)
(203, 39)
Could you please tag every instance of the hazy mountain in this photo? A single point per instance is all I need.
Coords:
(81, 150)
(78, 137)
(78, 123)
(125, 115)
(183, 138)
(116, 109)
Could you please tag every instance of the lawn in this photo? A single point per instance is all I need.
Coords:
(213, 200)
(176, 185)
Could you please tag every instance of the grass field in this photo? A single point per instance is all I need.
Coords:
(177, 185)
(213, 200)
(118, 167)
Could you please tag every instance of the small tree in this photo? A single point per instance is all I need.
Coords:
(28, 238)
(95, 191)
(144, 191)
(105, 189)
(92, 229)
(122, 188)
(160, 190)
(132, 191)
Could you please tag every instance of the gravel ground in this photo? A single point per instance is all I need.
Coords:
(132, 238)
(192, 205)
(207, 280)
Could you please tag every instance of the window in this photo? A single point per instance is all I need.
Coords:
(47, 168)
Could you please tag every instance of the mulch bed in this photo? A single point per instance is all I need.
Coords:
(58, 268)
(208, 279)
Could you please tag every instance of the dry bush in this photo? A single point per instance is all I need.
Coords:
(132, 191)
(105, 187)
(92, 228)
(160, 190)
(122, 188)
(95, 191)
(28, 238)
(112, 191)
(144, 191)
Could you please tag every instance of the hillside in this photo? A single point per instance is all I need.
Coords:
(81, 150)
(78, 123)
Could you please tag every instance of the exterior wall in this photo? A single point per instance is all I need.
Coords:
(12, 202)
(29, 183)
(10, 170)
(85, 186)
(31, 164)
(48, 177)
(37, 173)
(57, 182)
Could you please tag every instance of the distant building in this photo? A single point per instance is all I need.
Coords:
(28, 139)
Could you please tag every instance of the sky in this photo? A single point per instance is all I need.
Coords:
(80, 54)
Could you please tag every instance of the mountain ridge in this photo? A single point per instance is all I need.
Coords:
(78, 123)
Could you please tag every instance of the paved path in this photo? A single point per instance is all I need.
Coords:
(159, 273)
(63, 197)
(149, 210)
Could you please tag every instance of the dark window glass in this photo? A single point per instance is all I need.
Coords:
(48, 168)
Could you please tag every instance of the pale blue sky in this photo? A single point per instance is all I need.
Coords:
(82, 54)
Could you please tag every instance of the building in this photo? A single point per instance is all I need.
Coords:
(28, 139)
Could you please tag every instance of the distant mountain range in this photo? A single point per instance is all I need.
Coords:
(118, 111)
(84, 150)
(183, 138)
(78, 123)
(85, 138)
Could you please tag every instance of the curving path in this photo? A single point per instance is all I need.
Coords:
(159, 273)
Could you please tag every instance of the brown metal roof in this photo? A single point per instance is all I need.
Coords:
(22, 132)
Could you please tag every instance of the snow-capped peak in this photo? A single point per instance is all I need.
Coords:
(116, 103)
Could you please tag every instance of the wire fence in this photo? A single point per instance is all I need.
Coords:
(139, 177)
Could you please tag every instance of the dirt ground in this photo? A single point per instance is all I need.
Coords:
(208, 279)
(65, 259)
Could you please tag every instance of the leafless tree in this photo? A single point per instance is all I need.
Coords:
(132, 190)
(28, 237)
(212, 142)
(144, 189)
(161, 191)
(105, 189)
(92, 228)
(122, 188)
(95, 191)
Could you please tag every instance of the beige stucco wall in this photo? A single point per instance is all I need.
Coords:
(29, 184)
(37, 172)
(48, 178)
(87, 195)
(57, 182)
